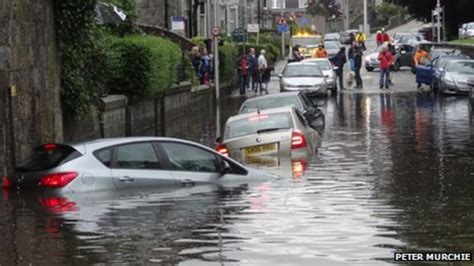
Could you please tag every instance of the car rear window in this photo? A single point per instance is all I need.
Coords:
(250, 125)
(48, 156)
(271, 103)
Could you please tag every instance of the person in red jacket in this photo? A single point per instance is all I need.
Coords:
(379, 38)
(386, 59)
(385, 37)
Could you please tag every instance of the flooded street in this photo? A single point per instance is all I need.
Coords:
(395, 173)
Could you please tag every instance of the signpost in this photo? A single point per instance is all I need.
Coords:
(239, 35)
(282, 28)
(253, 28)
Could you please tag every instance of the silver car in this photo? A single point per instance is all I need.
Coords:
(455, 78)
(329, 71)
(121, 163)
(273, 132)
(332, 48)
(305, 77)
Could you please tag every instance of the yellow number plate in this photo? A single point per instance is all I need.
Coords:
(254, 150)
(261, 161)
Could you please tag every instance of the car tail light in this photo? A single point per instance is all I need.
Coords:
(298, 168)
(298, 140)
(222, 149)
(49, 146)
(57, 180)
(6, 182)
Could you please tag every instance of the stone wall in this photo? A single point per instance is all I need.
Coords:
(29, 79)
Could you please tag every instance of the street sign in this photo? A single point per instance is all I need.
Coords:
(282, 20)
(303, 21)
(178, 23)
(239, 35)
(281, 28)
(215, 31)
(253, 28)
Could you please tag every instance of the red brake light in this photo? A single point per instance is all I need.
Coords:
(57, 180)
(298, 140)
(49, 147)
(6, 182)
(222, 149)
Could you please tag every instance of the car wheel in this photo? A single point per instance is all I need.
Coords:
(370, 69)
(334, 91)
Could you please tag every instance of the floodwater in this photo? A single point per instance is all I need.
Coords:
(395, 173)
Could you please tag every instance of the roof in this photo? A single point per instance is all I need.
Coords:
(273, 96)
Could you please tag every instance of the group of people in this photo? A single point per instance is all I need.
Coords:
(382, 37)
(202, 63)
(254, 72)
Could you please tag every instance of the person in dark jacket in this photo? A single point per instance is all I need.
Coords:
(350, 55)
(339, 61)
(296, 54)
(253, 69)
(358, 66)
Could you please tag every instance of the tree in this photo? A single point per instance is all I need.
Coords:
(387, 10)
(325, 8)
(457, 11)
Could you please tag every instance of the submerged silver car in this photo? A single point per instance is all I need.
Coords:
(455, 78)
(272, 132)
(121, 163)
(303, 76)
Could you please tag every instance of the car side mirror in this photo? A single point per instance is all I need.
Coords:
(224, 167)
(403, 52)
(280, 76)
(219, 140)
(336, 68)
(440, 69)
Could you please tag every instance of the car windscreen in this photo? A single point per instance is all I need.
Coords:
(470, 27)
(276, 102)
(48, 156)
(306, 41)
(331, 45)
(309, 70)
(258, 123)
(461, 67)
(323, 64)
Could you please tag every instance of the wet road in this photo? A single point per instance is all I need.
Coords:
(394, 173)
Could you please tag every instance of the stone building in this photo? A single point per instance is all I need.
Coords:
(29, 79)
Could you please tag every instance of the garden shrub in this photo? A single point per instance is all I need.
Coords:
(227, 61)
(147, 65)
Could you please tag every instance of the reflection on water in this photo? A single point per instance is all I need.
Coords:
(394, 173)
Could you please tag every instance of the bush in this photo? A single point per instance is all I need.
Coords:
(227, 61)
(146, 65)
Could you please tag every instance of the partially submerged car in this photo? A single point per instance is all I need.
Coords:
(109, 164)
(273, 132)
(457, 77)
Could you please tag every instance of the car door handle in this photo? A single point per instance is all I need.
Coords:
(126, 179)
(187, 183)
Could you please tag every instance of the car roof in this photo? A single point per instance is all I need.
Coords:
(302, 63)
(84, 146)
(309, 60)
(287, 109)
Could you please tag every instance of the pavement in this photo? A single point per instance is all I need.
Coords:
(404, 80)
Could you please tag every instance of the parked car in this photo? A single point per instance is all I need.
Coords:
(273, 132)
(333, 36)
(346, 36)
(440, 51)
(305, 77)
(455, 78)
(332, 48)
(429, 74)
(468, 30)
(403, 57)
(410, 38)
(329, 71)
(311, 112)
(107, 164)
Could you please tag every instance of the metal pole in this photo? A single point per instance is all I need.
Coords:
(216, 67)
(438, 13)
(282, 34)
(365, 18)
(259, 19)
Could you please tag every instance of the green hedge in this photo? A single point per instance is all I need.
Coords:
(273, 52)
(227, 58)
(145, 66)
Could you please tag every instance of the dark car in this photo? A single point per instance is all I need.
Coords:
(312, 113)
(403, 56)
(429, 74)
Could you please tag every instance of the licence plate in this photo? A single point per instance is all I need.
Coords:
(265, 148)
(261, 161)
